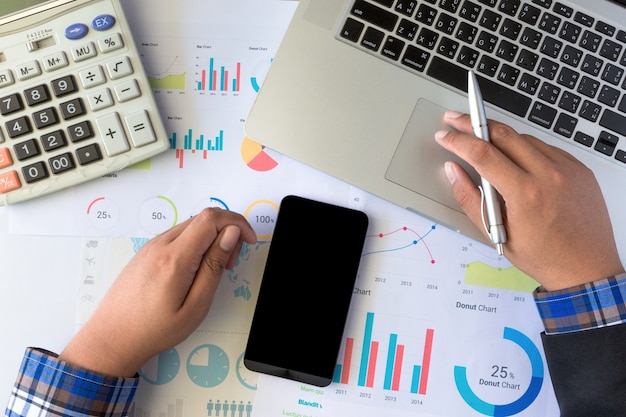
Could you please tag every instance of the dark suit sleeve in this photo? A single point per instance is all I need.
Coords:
(588, 371)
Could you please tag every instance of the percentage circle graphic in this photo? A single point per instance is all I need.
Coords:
(158, 214)
(262, 217)
(103, 214)
(526, 399)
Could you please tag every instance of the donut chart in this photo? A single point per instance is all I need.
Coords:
(256, 156)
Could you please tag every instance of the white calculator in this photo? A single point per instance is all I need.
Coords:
(75, 102)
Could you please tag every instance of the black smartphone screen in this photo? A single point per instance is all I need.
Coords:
(306, 290)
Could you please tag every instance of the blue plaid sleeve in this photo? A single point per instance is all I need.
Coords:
(47, 386)
(595, 304)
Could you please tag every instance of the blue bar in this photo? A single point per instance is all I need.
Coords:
(173, 141)
(391, 356)
(211, 79)
(415, 381)
(337, 374)
(365, 353)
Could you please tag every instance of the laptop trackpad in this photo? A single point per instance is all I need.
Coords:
(417, 163)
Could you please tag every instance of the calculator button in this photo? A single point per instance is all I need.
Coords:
(140, 128)
(83, 52)
(64, 85)
(119, 68)
(61, 163)
(36, 95)
(35, 172)
(53, 140)
(112, 134)
(127, 90)
(10, 104)
(28, 70)
(26, 149)
(88, 154)
(72, 108)
(103, 22)
(110, 43)
(9, 181)
(6, 78)
(92, 76)
(76, 31)
(46, 117)
(80, 131)
(55, 61)
(5, 158)
(18, 127)
(100, 99)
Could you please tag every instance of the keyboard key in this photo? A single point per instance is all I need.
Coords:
(494, 93)
(140, 128)
(612, 74)
(375, 15)
(61, 163)
(605, 28)
(613, 121)
(543, 3)
(542, 114)
(590, 41)
(486, 41)
(352, 30)
(427, 38)
(88, 154)
(11, 104)
(72, 108)
(392, 48)
(35, 172)
(447, 47)
(591, 64)
(5, 158)
(584, 139)
(18, 127)
(507, 50)
(53, 140)
(488, 66)
(46, 117)
(446, 24)
(570, 32)
(570, 101)
(584, 19)
(415, 58)
(468, 56)
(571, 56)
(609, 96)
(37, 95)
(112, 134)
(426, 15)
(590, 111)
(529, 84)
(547, 69)
(406, 29)
(606, 143)
(549, 23)
(470, 11)
(80, 131)
(610, 50)
(372, 39)
(568, 77)
(64, 85)
(588, 87)
(620, 155)
(9, 181)
(549, 93)
(529, 14)
(509, 7)
(565, 125)
(490, 20)
(551, 47)
(530, 38)
(26, 149)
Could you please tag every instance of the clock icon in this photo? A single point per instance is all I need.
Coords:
(247, 377)
(162, 368)
(208, 365)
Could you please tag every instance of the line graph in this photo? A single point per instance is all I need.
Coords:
(399, 239)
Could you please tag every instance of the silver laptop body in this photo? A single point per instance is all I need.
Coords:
(358, 94)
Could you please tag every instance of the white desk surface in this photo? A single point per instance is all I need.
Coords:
(38, 286)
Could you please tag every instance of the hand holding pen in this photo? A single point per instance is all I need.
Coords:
(494, 225)
(558, 228)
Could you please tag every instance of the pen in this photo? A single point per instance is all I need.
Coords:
(494, 225)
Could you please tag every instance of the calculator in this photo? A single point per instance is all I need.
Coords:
(75, 101)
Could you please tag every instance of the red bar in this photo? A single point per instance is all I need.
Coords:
(238, 76)
(371, 365)
(397, 368)
(225, 81)
(347, 359)
(203, 82)
(213, 87)
(179, 156)
(428, 348)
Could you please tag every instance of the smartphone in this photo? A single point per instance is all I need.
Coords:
(305, 291)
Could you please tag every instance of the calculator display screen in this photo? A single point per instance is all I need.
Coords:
(12, 6)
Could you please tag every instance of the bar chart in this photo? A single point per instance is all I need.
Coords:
(220, 77)
(385, 363)
(196, 144)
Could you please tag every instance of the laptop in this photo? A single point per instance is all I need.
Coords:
(358, 87)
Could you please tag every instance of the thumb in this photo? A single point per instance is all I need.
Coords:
(466, 193)
(215, 260)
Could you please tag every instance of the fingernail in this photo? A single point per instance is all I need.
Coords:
(440, 134)
(450, 172)
(452, 114)
(229, 238)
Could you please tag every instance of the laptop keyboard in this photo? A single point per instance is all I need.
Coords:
(544, 61)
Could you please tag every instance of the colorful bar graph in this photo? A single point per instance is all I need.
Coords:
(196, 145)
(220, 79)
(393, 363)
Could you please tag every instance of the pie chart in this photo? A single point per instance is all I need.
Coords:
(162, 368)
(208, 366)
(258, 157)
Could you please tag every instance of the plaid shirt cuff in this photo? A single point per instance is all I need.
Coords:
(47, 386)
(592, 305)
